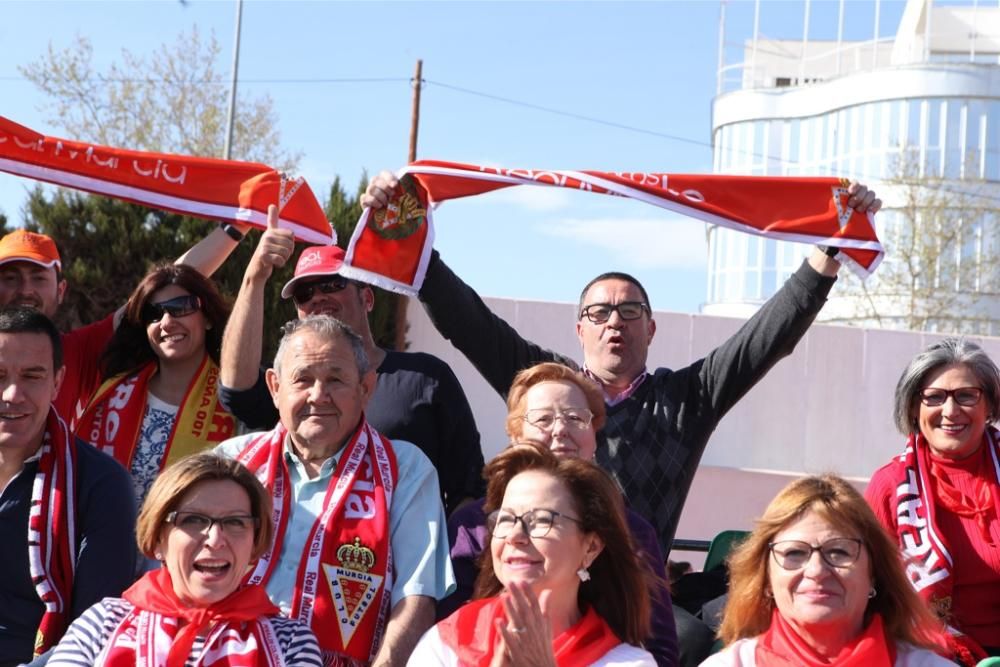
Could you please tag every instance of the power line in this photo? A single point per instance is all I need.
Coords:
(567, 114)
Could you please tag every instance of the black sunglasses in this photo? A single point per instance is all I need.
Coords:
(303, 292)
(179, 306)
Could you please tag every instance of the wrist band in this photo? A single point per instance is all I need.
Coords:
(829, 250)
(232, 232)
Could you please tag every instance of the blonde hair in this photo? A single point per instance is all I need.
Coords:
(749, 607)
(179, 478)
(550, 371)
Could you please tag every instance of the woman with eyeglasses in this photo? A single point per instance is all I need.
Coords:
(941, 498)
(561, 410)
(206, 518)
(562, 582)
(157, 400)
(819, 582)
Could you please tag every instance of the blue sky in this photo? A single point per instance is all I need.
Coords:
(646, 65)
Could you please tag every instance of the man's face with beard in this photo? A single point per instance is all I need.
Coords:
(24, 283)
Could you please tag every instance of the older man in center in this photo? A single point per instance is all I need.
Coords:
(360, 551)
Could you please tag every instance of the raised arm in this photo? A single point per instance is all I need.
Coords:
(208, 254)
(730, 370)
(242, 342)
(494, 347)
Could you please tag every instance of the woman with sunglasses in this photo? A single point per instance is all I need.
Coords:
(941, 498)
(207, 519)
(819, 582)
(157, 401)
(562, 582)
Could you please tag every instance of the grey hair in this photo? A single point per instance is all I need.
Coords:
(937, 355)
(326, 327)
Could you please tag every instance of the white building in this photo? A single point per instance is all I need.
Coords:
(925, 101)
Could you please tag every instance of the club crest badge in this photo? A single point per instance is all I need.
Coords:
(352, 586)
(404, 213)
(840, 197)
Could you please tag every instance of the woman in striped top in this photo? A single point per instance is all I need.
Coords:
(202, 520)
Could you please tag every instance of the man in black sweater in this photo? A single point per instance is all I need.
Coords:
(659, 421)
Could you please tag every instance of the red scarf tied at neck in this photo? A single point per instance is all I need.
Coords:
(472, 635)
(781, 646)
(154, 594)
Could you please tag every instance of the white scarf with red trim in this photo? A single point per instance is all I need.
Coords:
(391, 246)
(928, 562)
(344, 576)
(52, 530)
(223, 190)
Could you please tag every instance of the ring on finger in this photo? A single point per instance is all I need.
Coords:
(516, 630)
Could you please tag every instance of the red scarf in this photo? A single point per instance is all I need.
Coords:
(980, 506)
(52, 530)
(928, 561)
(112, 421)
(391, 246)
(223, 190)
(345, 572)
(472, 635)
(239, 634)
(781, 646)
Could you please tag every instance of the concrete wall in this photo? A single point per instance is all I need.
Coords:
(826, 408)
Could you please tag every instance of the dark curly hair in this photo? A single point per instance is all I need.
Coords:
(128, 350)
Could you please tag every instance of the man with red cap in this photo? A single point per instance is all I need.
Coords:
(31, 275)
(417, 397)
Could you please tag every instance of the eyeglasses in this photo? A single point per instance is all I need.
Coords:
(599, 313)
(196, 524)
(303, 292)
(545, 419)
(179, 306)
(536, 522)
(967, 396)
(838, 552)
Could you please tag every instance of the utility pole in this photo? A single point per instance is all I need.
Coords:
(415, 114)
(401, 301)
(227, 150)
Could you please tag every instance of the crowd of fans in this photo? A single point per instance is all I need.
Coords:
(166, 500)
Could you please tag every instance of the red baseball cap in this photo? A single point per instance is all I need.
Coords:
(319, 260)
(24, 246)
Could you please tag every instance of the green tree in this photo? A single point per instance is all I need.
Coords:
(170, 101)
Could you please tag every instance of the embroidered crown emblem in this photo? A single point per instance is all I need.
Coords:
(356, 556)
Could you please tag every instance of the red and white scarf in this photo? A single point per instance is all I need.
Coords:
(391, 246)
(112, 421)
(928, 561)
(223, 190)
(52, 530)
(472, 635)
(344, 577)
(150, 635)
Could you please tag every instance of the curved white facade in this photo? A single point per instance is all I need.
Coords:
(935, 121)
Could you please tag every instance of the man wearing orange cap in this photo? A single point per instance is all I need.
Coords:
(417, 398)
(31, 275)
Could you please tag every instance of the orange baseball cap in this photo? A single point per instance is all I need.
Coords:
(24, 246)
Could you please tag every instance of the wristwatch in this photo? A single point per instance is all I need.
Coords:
(829, 250)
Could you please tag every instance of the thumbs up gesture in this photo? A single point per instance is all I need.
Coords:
(273, 250)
